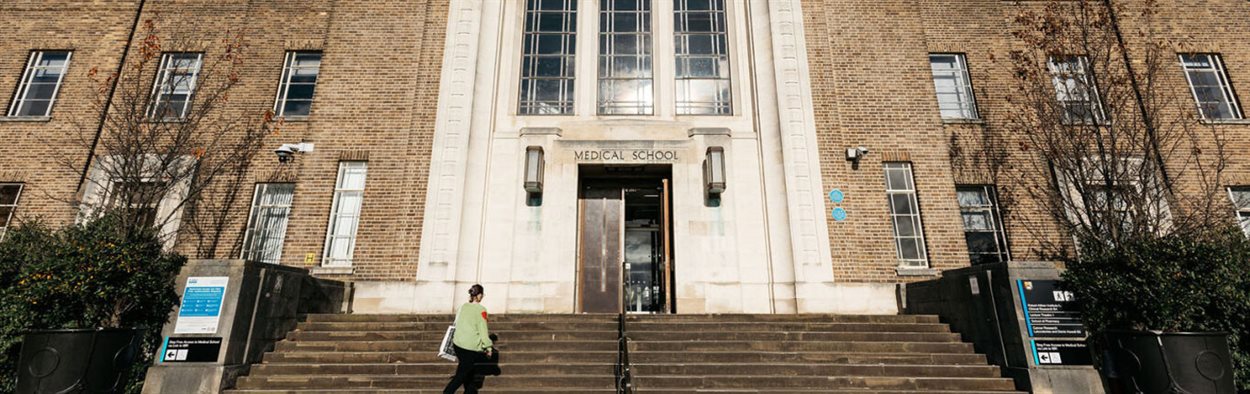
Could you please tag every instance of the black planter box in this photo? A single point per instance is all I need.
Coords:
(1175, 362)
(76, 361)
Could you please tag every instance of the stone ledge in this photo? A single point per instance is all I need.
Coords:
(25, 118)
(917, 271)
(332, 270)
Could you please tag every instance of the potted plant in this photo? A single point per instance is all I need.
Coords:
(81, 307)
(1165, 309)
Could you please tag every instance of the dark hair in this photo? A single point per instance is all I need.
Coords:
(475, 290)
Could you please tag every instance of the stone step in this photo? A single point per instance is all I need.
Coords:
(448, 318)
(488, 388)
(814, 369)
(444, 367)
(432, 346)
(638, 357)
(505, 336)
(801, 357)
(429, 356)
(585, 390)
(814, 318)
(442, 326)
(807, 346)
(323, 382)
(783, 326)
(635, 335)
(817, 382)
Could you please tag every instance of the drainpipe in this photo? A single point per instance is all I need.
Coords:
(108, 101)
(1137, 93)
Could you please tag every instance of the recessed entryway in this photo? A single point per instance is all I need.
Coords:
(624, 241)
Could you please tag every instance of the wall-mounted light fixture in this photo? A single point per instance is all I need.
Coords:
(534, 169)
(714, 170)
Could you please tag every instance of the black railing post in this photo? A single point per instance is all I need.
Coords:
(624, 384)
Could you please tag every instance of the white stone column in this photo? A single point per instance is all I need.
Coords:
(809, 236)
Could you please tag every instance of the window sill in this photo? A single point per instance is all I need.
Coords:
(295, 119)
(1218, 122)
(170, 120)
(963, 121)
(916, 271)
(332, 270)
(25, 118)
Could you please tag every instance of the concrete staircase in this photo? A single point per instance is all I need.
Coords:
(668, 353)
(398, 354)
(805, 353)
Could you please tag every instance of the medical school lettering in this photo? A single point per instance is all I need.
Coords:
(626, 155)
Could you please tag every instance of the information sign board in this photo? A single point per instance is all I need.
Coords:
(200, 312)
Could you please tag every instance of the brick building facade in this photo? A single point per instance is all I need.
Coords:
(433, 97)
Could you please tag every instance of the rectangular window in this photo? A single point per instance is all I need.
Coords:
(1209, 83)
(1241, 202)
(299, 80)
(39, 84)
(139, 199)
(983, 226)
(1076, 90)
(900, 188)
(701, 46)
(174, 84)
(266, 225)
(9, 195)
(549, 54)
(349, 193)
(953, 86)
(625, 57)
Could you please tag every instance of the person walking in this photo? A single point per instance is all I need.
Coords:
(471, 342)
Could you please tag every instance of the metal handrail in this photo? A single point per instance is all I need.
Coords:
(624, 384)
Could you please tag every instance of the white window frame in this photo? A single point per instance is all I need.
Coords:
(990, 194)
(161, 84)
(1226, 87)
(963, 85)
(23, 88)
(909, 191)
(337, 215)
(664, 76)
(607, 74)
(261, 207)
(727, 21)
(566, 106)
(1241, 207)
(1080, 76)
(284, 84)
(7, 221)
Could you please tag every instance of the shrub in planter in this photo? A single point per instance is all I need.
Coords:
(1190, 281)
(95, 275)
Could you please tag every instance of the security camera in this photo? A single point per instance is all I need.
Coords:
(855, 154)
(286, 152)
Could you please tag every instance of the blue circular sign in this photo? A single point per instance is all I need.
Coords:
(836, 196)
(839, 214)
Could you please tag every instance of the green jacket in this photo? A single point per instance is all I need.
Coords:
(471, 331)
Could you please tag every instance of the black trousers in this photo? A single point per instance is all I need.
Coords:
(466, 370)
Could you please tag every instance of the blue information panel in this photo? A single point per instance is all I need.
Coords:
(201, 305)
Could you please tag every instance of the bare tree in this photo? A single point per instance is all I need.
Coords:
(1101, 137)
(170, 154)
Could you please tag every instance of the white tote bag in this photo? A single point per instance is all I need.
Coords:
(445, 349)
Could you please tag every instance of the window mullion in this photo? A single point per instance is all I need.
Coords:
(20, 96)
